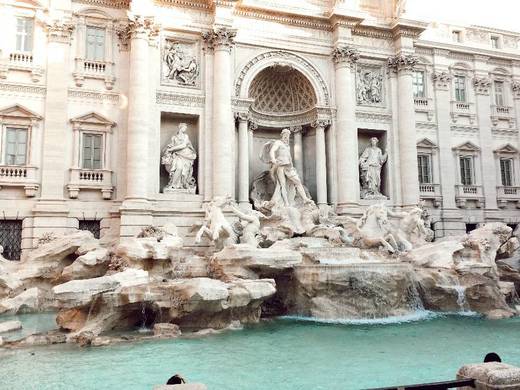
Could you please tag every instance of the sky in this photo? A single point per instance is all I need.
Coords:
(503, 14)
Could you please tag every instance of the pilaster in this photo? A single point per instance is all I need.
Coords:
(321, 162)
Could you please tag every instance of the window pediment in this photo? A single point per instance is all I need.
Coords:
(425, 143)
(93, 121)
(506, 149)
(18, 112)
(467, 147)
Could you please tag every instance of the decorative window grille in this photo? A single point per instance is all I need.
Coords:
(11, 238)
(95, 44)
(506, 171)
(91, 225)
(92, 151)
(499, 93)
(466, 170)
(24, 34)
(424, 165)
(460, 88)
(418, 84)
(15, 146)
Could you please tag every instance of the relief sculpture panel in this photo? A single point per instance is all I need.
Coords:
(369, 86)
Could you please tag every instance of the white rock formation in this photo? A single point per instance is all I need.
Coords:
(9, 326)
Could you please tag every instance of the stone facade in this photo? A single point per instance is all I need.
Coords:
(92, 91)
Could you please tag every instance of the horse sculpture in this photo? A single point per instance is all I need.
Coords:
(215, 225)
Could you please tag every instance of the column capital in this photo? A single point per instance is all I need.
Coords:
(220, 38)
(296, 129)
(243, 116)
(441, 80)
(137, 27)
(253, 126)
(59, 30)
(345, 55)
(402, 63)
(481, 85)
(515, 87)
(320, 123)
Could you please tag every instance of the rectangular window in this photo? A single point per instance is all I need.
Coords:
(456, 36)
(15, 146)
(460, 88)
(494, 42)
(11, 238)
(499, 93)
(506, 171)
(24, 34)
(92, 151)
(466, 170)
(424, 165)
(91, 225)
(418, 84)
(95, 44)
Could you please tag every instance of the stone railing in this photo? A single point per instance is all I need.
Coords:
(20, 176)
(90, 179)
(21, 58)
(421, 102)
(462, 107)
(507, 194)
(469, 192)
(431, 192)
(86, 69)
(503, 111)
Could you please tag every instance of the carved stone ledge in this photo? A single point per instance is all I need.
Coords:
(220, 38)
(481, 85)
(402, 63)
(345, 55)
(441, 80)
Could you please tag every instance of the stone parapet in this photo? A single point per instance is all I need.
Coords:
(491, 376)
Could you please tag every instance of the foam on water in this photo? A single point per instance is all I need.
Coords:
(419, 315)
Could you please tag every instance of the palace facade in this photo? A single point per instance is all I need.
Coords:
(92, 91)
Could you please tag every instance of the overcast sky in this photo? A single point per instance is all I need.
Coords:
(504, 14)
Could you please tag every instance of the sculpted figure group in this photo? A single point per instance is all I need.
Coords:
(284, 210)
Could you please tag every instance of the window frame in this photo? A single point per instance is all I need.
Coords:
(471, 167)
(502, 94)
(423, 83)
(495, 41)
(456, 89)
(511, 162)
(456, 36)
(25, 37)
(6, 155)
(103, 51)
(427, 157)
(101, 137)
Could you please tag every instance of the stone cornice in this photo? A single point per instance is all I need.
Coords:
(372, 32)
(408, 29)
(118, 4)
(467, 52)
(193, 4)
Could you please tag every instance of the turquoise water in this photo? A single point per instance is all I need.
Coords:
(280, 354)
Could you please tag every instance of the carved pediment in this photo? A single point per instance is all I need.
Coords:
(425, 143)
(507, 149)
(93, 119)
(18, 112)
(467, 147)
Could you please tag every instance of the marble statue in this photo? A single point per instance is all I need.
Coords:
(182, 68)
(178, 158)
(412, 231)
(369, 86)
(283, 173)
(370, 164)
(374, 229)
(250, 223)
(215, 226)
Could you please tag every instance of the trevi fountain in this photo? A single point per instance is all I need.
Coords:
(286, 281)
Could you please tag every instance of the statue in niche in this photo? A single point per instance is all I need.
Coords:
(182, 68)
(178, 158)
(369, 88)
(282, 172)
(370, 163)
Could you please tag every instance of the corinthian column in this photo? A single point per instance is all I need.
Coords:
(222, 41)
(403, 66)
(243, 159)
(345, 59)
(139, 30)
(321, 162)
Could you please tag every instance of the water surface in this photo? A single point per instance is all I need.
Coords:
(281, 354)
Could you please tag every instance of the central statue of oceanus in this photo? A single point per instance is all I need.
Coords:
(287, 182)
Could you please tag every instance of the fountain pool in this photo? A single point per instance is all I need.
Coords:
(279, 354)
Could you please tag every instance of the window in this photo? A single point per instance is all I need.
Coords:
(424, 165)
(24, 34)
(92, 151)
(456, 36)
(11, 238)
(466, 170)
(499, 93)
(15, 146)
(494, 42)
(91, 225)
(418, 84)
(506, 171)
(95, 44)
(460, 88)
(470, 227)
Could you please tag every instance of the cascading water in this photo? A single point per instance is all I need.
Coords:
(461, 298)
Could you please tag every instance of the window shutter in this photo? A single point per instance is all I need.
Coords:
(29, 34)
(21, 146)
(87, 151)
(96, 163)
